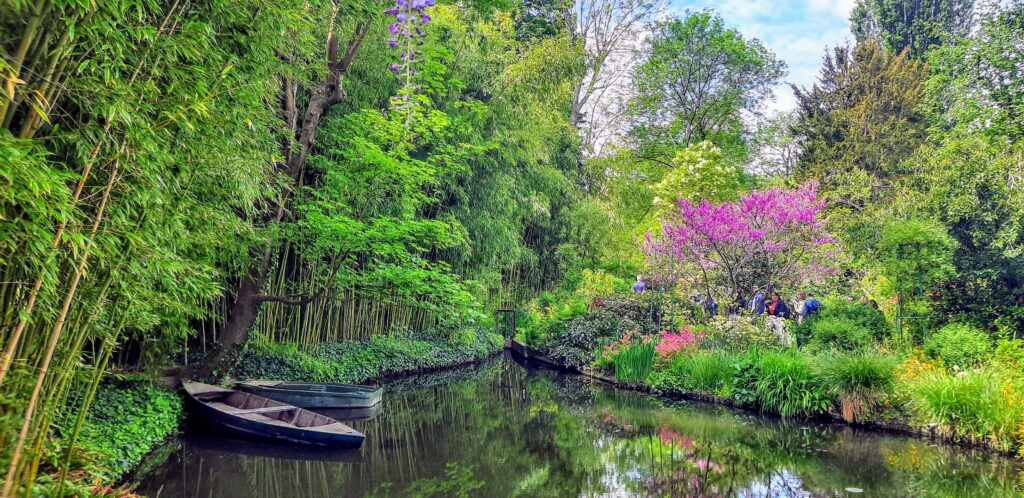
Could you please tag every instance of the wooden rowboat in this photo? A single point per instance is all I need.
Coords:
(314, 394)
(262, 417)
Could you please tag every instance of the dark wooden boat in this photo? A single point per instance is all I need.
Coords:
(315, 394)
(261, 417)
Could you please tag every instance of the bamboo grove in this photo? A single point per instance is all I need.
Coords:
(174, 173)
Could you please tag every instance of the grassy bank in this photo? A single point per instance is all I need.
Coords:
(961, 383)
(357, 361)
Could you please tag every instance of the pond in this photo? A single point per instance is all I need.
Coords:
(507, 429)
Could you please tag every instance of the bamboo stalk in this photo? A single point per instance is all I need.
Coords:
(54, 336)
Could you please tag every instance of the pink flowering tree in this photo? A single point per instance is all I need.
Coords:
(773, 238)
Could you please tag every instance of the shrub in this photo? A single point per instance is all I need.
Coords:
(125, 422)
(857, 380)
(583, 335)
(959, 344)
(785, 384)
(548, 317)
(840, 333)
(633, 306)
(675, 343)
(354, 361)
(837, 316)
(738, 334)
(979, 403)
(710, 372)
(1009, 353)
(463, 337)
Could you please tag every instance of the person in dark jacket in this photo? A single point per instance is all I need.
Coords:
(757, 301)
(777, 307)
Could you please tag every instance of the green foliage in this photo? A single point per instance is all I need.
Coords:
(857, 380)
(911, 25)
(960, 344)
(784, 382)
(840, 333)
(355, 361)
(698, 172)
(843, 324)
(597, 284)
(915, 253)
(126, 422)
(698, 78)
(980, 403)
(549, 315)
(635, 361)
(708, 372)
(575, 346)
(739, 333)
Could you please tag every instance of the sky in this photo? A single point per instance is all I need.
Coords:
(797, 31)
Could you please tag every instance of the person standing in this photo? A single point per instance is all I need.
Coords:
(798, 306)
(777, 307)
(811, 306)
(757, 301)
(639, 285)
(710, 305)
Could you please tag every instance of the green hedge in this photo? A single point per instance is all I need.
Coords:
(355, 361)
(126, 421)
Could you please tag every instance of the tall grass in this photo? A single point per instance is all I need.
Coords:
(635, 361)
(857, 380)
(710, 372)
(785, 384)
(980, 403)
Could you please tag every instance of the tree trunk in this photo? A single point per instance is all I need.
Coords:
(240, 320)
(329, 92)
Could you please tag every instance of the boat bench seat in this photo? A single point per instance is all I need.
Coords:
(262, 410)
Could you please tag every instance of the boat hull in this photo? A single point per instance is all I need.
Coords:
(214, 417)
(353, 397)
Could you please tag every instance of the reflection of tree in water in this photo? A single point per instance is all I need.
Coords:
(502, 430)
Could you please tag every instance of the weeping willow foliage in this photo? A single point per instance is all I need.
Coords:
(142, 147)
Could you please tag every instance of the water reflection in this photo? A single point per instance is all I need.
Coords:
(504, 430)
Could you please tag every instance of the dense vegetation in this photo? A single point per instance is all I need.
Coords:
(237, 184)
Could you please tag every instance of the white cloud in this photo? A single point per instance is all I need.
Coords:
(840, 8)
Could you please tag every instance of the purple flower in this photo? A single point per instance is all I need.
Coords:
(424, 19)
(393, 68)
(392, 11)
(393, 43)
(393, 28)
(402, 17)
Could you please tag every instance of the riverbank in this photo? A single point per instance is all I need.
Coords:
(518, 428)
(132, 417)
(889, 421)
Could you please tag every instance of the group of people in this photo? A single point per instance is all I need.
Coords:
(804, 306)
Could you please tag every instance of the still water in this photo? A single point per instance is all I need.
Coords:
(507, 429)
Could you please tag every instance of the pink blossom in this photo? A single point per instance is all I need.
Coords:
(767, 237)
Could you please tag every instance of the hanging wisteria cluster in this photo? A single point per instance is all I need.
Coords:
(407, 33)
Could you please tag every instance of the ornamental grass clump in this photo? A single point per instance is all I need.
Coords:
(785, 384)
(857, 381)
(631, 357)
(708, 372)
